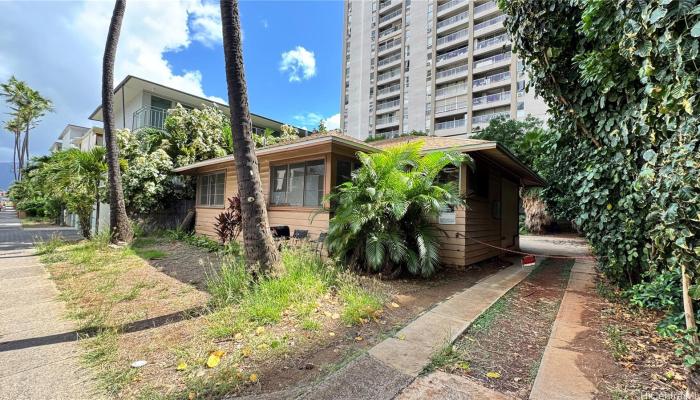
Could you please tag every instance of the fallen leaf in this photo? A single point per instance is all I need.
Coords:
(239, 336)
(401, 337)
(493, 375)
(463, 365)
(246, 351)
(259, 330)
(358, 338)
(253, 378)
(192, 396)
(331, 334)
(138, 364)
(181, 366)
(215, 358)
(335, 316)
(394, 305)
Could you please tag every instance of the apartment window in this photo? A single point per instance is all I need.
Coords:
(299, 184)
(210, 190)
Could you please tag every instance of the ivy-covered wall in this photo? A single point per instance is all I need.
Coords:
(621, 80)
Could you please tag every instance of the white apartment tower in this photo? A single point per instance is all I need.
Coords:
(444, 67)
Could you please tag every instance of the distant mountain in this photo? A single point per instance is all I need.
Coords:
(6, 175)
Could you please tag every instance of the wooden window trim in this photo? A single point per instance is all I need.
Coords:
(287, 163)
(209, 173)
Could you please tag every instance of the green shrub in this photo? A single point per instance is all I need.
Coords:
(383, 217)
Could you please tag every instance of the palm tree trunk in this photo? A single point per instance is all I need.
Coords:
(259, 246)
(120, 230)
(97, 207)
(16, 156)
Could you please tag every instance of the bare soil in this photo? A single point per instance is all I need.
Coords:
(508, 340)
(644, 362)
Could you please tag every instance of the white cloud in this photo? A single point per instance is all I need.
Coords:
(299, 63)
(311, 120)
(65, 65)
(333, 122)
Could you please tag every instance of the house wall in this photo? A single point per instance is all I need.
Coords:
(302, 218)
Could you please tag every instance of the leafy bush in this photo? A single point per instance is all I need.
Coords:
(621, 83)
(228, 223)
(382, 218)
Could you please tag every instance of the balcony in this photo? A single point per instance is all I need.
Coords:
(462, 51)
(452, 37)
(393, 74)
(149, 117)
(455, 19)
(455, 123)
(491, 98)
(388, 45)
(449, 5)
(390, 16)
(386, 122)
(450, 73)
(454, 89)
(488, 80)
(447, 106)
(489, 23)
(388, 60)
(388, 90)
(493, 60)
(388, 104)
(484, 119)
(388, 3)
(490, 5)
(490, 42)
(389, 31)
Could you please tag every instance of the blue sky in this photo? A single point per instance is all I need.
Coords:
(177, 43)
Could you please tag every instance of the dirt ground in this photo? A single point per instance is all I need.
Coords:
(503, 348)
(637, 361)
(305, 355)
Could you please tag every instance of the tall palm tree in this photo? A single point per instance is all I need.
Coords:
(15, 127)
(28, 106)
(120, 229)
(260, 249)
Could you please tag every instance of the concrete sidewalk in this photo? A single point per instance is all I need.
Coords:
(560, 375)
(38, 348)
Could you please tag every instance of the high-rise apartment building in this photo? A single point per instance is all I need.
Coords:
(444, 67)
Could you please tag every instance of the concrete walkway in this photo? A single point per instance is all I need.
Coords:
(560, 375)
(38, 348)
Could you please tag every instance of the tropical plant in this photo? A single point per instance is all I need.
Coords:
(260, 249)
(383, 219)
(197, 134)
(621, 81)
(228, 223)
(14, 126)
(522, 137)
(119, 225)
(28, 106)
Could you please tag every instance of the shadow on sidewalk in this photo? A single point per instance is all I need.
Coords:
(137, 326)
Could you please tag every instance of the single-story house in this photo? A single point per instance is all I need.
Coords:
(296, 175)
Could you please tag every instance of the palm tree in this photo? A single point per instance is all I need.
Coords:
(75, 177)
(120, 229)
(28, 106)
(15, 127)
(259, 246)
(383, 217)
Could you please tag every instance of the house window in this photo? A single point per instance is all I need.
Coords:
(299, 184)
(478, 180)
(344, 170)
(210, 190)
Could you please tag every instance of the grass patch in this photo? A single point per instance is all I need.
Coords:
(360, 303)
(447, 355)
(230, 283)
(617, 345)
(488, 317)
(150, 254)
(33, 221)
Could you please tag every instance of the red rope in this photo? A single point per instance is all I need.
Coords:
(532, 254)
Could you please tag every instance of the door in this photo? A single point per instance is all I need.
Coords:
(509, 213)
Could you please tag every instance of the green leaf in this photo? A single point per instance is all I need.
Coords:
(695, 31)
(657, 14)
